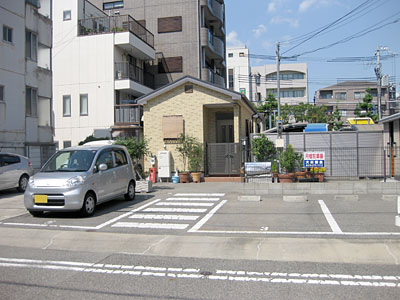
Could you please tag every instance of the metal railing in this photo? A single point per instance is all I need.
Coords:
(128, 114)
(35, 3)
(125, 70)
(216, 9)
(109, 24)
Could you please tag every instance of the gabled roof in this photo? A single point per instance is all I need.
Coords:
(189, 79)
(344, 84)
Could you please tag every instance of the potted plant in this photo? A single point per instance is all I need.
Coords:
(318, 173)
(195, 158)
(301, 173)
(274, 171)
(289, 161)
(185, 148)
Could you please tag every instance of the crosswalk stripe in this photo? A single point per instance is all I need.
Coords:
(184, 204)
(163, 217)
(201, 194)
(181, 210)
(192, 199)
(150, 225)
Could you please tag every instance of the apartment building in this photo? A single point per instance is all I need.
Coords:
(346, 95)
(238, 66)
(293, 83)
(26, 122)
(189, 36)
(99, 70)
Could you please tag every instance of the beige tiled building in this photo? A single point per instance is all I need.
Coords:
(194, 107)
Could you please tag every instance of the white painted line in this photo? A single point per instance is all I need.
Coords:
(150, 225)
(184, 204)
(126, 214)
(173, 210)
(202, 195)
(50, 225)
(334, 226)
(304, 233)
(163, 217)
(207, 217)
(192, 199)
(373, 281)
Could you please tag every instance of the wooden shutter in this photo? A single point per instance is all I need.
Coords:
(170, 24)
(172, 126)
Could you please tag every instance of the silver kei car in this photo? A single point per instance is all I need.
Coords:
(79, 178)
(14, 171)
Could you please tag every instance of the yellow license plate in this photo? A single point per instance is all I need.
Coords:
(40, 199)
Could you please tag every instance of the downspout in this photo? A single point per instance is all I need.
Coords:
(199, 13)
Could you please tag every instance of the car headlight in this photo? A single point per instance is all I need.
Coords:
(77, 180)
(31, 181)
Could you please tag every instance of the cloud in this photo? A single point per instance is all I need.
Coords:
(232, 40)
(272, 7)
(281, 20)
(259, 30)
(305, 5)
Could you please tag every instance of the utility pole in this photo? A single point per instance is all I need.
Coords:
(379, 79)
(278, 78)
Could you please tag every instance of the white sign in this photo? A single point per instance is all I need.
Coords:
(314, 159)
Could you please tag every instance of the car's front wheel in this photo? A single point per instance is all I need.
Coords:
(23, 183)
(89, 204)
(130, 195)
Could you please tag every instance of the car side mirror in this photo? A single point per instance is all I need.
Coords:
(103, 167)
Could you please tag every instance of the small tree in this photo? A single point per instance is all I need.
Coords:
(289, 160)
(366, 108)
(137, 149)
(263, 148)
(185, 147)
(196, 158)
(268, 107)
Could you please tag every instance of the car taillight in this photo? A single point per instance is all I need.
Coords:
(29, 163)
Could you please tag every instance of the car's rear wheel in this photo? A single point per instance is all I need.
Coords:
(89, 204)
(130, 195)
(23, 183)
(36, 213)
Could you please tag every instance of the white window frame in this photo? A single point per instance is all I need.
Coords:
(65, 106)
(31, 103)
(67, 15)
(84, 109)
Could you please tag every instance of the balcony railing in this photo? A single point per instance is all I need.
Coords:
(216, 9)
(125, 70)
(35, 3)
(128, 114)
(115, 24)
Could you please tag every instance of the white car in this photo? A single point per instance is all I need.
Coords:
(15, 171)
(79, 178)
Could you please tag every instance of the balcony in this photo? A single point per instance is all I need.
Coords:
(128, 114)
(133, 79)
(212, 77)
(214, 10)
(215, 46)
(35, 3)
(129, 34)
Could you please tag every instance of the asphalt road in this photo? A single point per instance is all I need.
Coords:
(200, 242)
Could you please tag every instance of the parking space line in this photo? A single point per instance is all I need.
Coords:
(192, 199)
(184, 204)
(332, 223)
(181, 210)
(150, 225)
(164, 217)
(207, 217)
(201, 194)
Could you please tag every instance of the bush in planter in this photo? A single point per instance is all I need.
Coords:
(289, 160)
(187, 146)
(195, 158)
(263, 148)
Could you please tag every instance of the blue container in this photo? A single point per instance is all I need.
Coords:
(175, 179)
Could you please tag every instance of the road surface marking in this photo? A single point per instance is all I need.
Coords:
(184, 204)
(207, 217)
(180, 210)
(374, 281)
(334, 226)
(163, 217)
(201, 195)
(192, 199)
(150, 225)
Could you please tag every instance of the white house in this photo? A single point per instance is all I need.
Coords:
(238, 71)
(26, 125)
(99, 63)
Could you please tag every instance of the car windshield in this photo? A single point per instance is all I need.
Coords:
(70, 161)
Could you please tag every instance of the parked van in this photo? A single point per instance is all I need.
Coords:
(79, 178)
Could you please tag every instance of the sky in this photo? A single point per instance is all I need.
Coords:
(303, 26)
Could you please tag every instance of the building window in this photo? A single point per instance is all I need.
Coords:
(83, 104)
(188, 88)
(286, 76)
(1, 93)
(230, 54)
(66, 105)
(258, 96)
(66, 15)
(170, 65)
(172, 126)
(31, 102)
(325, 94)
(31, 45)
(341, 96)
(7, 34)
(258, 79)
(170, 24)
(241, 54)
(287, 93)
(113, 5)
(359, 95)
(343, 113)
(230, 79)
(66, 144)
